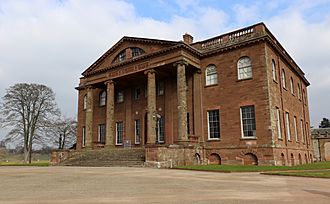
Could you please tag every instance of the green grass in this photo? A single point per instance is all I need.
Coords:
(34, 163)
(240, 168)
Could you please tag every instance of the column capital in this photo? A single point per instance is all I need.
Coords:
(180, 62)
(149, 71)
(110, 81)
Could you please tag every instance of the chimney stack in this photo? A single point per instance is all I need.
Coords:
(187, 38)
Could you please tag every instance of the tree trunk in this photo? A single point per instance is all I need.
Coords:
(26, 155)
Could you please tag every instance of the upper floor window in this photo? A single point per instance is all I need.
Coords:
(283, 79)
(103, 96)
(291, 85)
(85, 102)
(248, 121)
(299, 93)
(120, 96)
(160, 88)
(136, 51)
(121, 56)
(274, 70)
(244, 67)
(137, 93)
(211, 75)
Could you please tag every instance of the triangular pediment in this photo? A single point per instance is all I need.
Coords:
(128, 48)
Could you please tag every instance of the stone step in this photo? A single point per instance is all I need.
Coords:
(106, 157)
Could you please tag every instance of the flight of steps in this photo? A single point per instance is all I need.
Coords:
(134, 157)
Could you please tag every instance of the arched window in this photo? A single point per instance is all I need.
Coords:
(274, 70)
(291, 85)
(211, 76)
(244, 67)
(85, 102)
(136, 51)
(304, 96)
(120, 57)
(299, 93)
(283, 79)
(103, 96)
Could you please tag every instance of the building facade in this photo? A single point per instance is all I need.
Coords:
(237, 98)
(321, 143)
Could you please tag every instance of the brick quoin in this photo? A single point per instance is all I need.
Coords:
(178, 70)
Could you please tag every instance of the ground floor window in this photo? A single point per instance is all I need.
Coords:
(83, 137)
(213, 124)
(119, 133)
(101, 135)
(248, 120)
(137, 125)
(160, 127)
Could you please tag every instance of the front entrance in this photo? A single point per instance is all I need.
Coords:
(160, 129)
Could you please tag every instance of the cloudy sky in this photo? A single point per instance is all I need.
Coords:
(52, 42)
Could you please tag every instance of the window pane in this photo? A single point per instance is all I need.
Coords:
(248, 121)
(211, 75)
(137, 131)
(214, 124)
(244, 68)
(119, 132)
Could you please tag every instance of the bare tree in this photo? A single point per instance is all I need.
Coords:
(28, 109)
(64, 131)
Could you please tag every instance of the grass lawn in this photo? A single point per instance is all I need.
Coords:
(34, 163)
(240, 168)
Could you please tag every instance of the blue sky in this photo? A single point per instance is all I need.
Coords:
(53, 41)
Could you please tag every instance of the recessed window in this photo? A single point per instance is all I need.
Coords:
(137, 93)
(83, 137)
(136, 51)
(101, 135)
(160, 127)
(119, 133)
(299, 92)
(287, 123)
(274, 69)
(213, 124)
(278, 123)
(85, 102)
(211, 75)
(291, 85)
(283, 79)
(248, 121)
(103, 96)
(302, 131)
(137, 125)
(244, 67)
(295, 128)
(160, 88)
(120, 96)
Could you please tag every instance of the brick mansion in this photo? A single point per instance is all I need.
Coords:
(237, 98)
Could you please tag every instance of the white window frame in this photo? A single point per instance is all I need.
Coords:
(122, 133)
(102, 98)
(100, 132)
(120, 96)
(160, 129)
(287, 124)
(136, 131)
(283, 79)
(83, 137)
(211, 75)
(85, 102)
(295, 128)
(291, 85)
(274, 70)
(242, 124)
(208, 125)
(244, 68)
(278, 123)
(302, 131)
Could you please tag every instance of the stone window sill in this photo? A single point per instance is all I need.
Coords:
(211, 85)
(246, 79)
(248, 138)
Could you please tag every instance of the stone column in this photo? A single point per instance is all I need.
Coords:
(197, 93)
(89, 117)
(151, 108)
(110, 114)
(182, 100)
